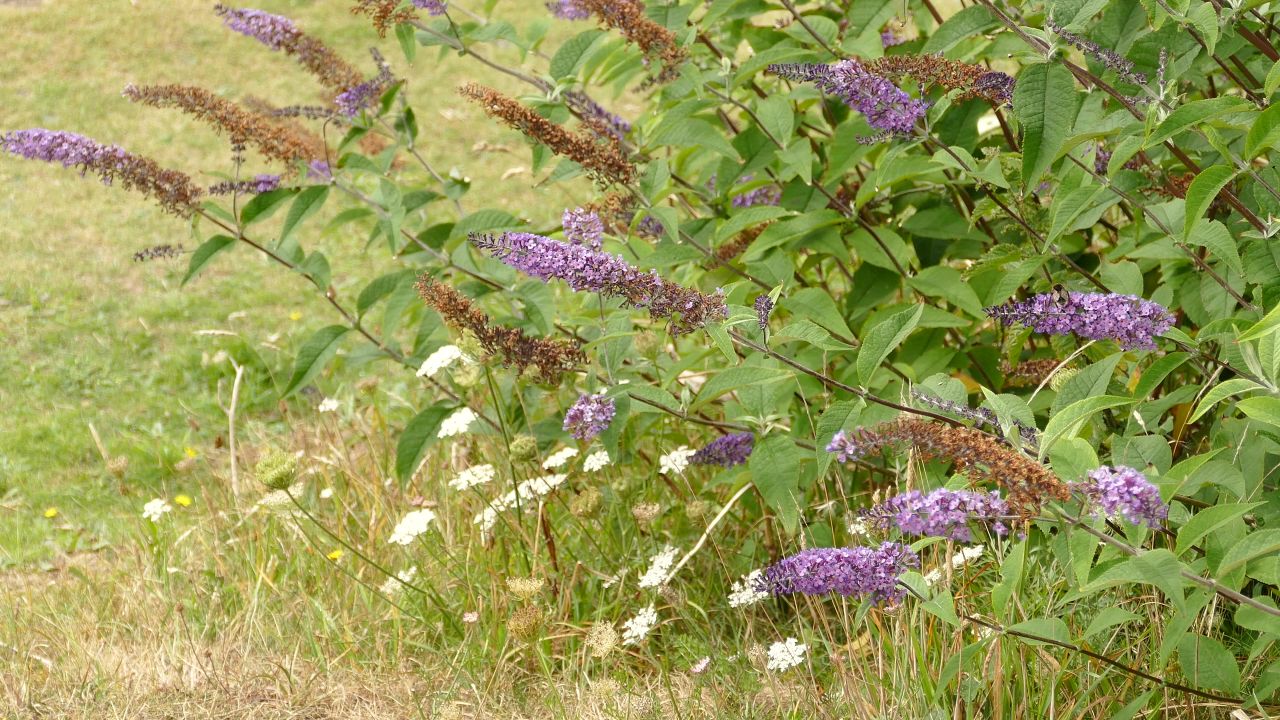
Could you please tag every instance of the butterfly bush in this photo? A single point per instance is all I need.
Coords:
(950, 514)
(589, 416)
(1129, 320)
(863, 572)
(885, 106)
(727, 451)
(1125, 492)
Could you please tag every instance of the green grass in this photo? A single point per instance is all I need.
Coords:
(95, 339)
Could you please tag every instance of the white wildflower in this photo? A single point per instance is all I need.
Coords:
(747, 591)
(858, 527)
(559, 458)
(701, 666)
(156, 509)
(597, 460)
(328, 405)
(675, 461)
(413, 525)
(439, 360)
(659, 568)
(786, 655)
(638, 627)
(470, 616)
(326, 493)
(473, 476)
(393, 586)
(957, 561)
(525, 494)
(457, 423)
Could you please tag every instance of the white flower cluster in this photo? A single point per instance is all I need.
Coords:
(659, 568)
(473, 476)
(746, 592)
(526, 493)
(639, 627)
(457, 423)
(329, 405)
(959, 560)
(786, 655)
(439, 360)
(155, 509)
(559, 458)
(675, 461)
(413, 525)
(393, 586)
(597, 460)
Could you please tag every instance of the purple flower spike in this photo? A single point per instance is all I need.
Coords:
(1127, 319)
(995, 85)
(68, 149)
(727, 451)
(594, 113)
(582, 227)
(766, 195)
(433, 7)
(886, 106)
(764, 308)
(274, 31)
(1126, 492)
(589, 416)
(861, 571)
(594, 271)
(568, 10)
(942, 513)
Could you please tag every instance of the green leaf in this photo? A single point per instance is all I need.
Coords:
(314, 354)
(1193, 113)
(881, 340)
(774, 471)
(1159, 370)
(1208, 520)
(1044, 100)
(1069, 420)
(777, 117)
(1264, 133)
(1050, 628)
(307, 203)
(263, 206)
(738, 377)
(1220, 392)
(1254, 545)
(485, 220)
(1215, 236)
(1267, 325)
(969, 22)
(1273, 79)
(378, 289)
(417, 435)
(1153, 567)
(205, 253)
(1205, 18)
(722, 341)
(1265, 409)
(692, 132)
(1201, 193)
(1208, 664)
(565, 62)
(836, 417)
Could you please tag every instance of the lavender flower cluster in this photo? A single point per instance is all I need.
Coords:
(727, 451)
(583, 227)
(433, 7)
(942, 513)
(595, 271)
(589, 416)
(68, 149)
(1126, 492)
(568, 10)
(1127, 319)
(275, 31)
(258, 185)
(598, 117)
(764, 308)
(861, 571)
(886, 106)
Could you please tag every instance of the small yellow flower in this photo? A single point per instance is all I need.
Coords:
(190, 452)
(51, 512)
(336, 555)
(183, 500)
(296, 315)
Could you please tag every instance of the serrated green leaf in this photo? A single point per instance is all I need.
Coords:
(1215, 236)
(774, 467)
(966, 23)
(882, 339)
(203, 254)
(1254, 545)
(1202, 191)
(1044, 100)
(1153, 567)
(417, 436)
(1208, 664)
(777, 117)
(1070, 418)
(738, 377)
(1265, 409)
(314, 354)
(1191, 114)
(1267, 325)
(1208, 520)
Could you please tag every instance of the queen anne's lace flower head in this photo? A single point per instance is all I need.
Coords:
(156, 509)
(411, 526)
(393, 586)
(675, 461)
(659, 567)
(473, 476)
(638, 628)
(786, 655)
(457, 423)
(439, 360)
(559, 458)
(329, 405)
(596, 461)
(748, 590)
